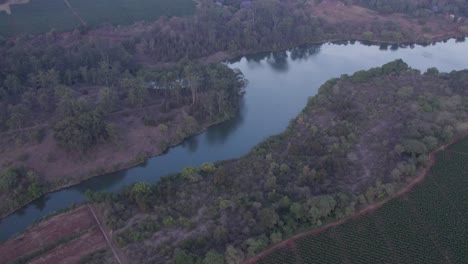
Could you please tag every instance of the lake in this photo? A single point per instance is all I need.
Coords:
(279, 85)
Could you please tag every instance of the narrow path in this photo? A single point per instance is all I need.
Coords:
(104, 233)
(74, 12)
(367, 210)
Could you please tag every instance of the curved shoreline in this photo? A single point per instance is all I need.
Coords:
(123, 168)
(228, 58)
(370, 209)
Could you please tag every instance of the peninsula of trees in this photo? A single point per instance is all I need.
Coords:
(359, 140)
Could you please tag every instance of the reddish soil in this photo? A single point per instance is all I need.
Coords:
(82, 222)
(368, 210)
(72, 251)
(334, 12)
(45, 233)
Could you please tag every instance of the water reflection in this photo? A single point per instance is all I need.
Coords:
(111, 181)
(191, 144)
(278, 61)
(257, 57)
(40, 204)
(304, 53)
(225, 129)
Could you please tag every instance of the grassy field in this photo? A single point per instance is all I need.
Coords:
(121, 12)
(40, 16)
(36, 17)
(426, 225)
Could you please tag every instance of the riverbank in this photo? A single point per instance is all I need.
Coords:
(101, 170)
(136, 133)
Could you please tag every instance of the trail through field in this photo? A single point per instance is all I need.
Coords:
(75, 13)
(369, 209)
(104, 233)
(84, 223)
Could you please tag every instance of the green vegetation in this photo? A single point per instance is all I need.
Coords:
(262, 25)
(362, 138)
(43, 16)
(81, 131)
(426, 225)
(77, 85)
(82, 95)
(19, 186)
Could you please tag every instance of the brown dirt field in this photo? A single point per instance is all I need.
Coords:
(45, 233)
(81, 221)
(72, 251)
(334, 12)
(370, 209)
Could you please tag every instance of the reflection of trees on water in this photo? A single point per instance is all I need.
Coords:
(41, 203)
(102, 183)
(394, 47)
(258, 57)
(191, 144)
(220, 133)
(279, 61)
(217, 134)
(303, 53)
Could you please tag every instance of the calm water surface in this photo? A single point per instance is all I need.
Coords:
(279, 86)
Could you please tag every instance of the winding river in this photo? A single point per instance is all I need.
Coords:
(279, 86)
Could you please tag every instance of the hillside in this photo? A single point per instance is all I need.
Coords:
(361, 139)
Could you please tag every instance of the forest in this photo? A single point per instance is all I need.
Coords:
(219, 30)
(427, 218)
(361, 139)
(70, 104)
